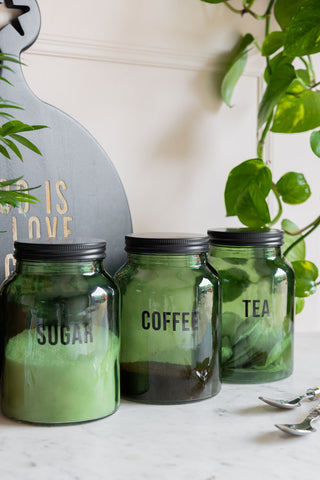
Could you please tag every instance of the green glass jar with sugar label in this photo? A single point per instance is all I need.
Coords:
(60, 336)
(257, 304)
(170, 305)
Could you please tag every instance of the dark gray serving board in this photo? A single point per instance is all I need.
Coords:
(81, 194)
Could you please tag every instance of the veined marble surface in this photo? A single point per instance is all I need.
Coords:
(231, 436)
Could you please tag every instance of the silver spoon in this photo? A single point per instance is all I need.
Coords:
(301, 428)
(311, 394)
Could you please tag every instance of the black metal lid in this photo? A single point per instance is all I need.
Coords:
(64, 249)
(246, 236)
(166, 243)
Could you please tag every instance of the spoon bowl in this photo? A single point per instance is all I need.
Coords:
(304, 427)
(296, 402)
(296, 428)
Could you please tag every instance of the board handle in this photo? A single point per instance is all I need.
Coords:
(22, 32)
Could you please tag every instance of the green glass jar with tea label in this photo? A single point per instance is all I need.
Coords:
(170, 306)
(257, 304)
(60, 338)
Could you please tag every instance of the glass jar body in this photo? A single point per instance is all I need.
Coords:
(170, 334)
(60, 342)
(257, 313)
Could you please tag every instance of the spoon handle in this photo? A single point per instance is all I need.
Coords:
(312, 393)
(313, 414)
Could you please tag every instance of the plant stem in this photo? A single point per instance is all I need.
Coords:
(277, 217)
(260, 146)
(269, 7)
(261, 142)
(311, 70)
(305, 63)
(297, 232)
(314, 85)
(267, 30)
(244, 10)
(235, 10)
(315, 225)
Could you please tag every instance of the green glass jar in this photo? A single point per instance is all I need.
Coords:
(60, 338)
(169, 320)
(257, 304)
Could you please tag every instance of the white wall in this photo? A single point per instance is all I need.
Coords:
(141, 76)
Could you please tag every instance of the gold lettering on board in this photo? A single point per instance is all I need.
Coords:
(22, 184)
(9, 259)
(34, 222)
(48, 196)
(61, 208)
(66, 231)
(52, 229)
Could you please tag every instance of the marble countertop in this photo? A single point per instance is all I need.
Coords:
(231, 436)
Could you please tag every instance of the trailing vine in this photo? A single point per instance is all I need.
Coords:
(290, 104)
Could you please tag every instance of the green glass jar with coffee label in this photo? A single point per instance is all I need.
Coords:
(257, 304)
(170, 305)
(60, 336)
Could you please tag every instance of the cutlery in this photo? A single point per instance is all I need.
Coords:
(303, 427)
(310, 394)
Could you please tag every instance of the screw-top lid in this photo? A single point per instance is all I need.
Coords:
(166, 243)
(246, 236)
(64, 249)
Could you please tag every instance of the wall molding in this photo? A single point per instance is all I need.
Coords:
(93, 50)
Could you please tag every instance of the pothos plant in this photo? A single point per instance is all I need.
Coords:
(11, 192)
(290, 104)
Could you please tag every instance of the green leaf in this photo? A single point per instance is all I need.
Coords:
(246, 328)
(253, 171)
(306, 275)
(252, 208)
(16, 126)
(8, 105)
(226, 349)
(284, 10)
(234, 283)
(26, 143)
(3, 79)
(12, 181)
(248, 3)
(293, 188)
(304, 77)
(229, 324)
(272, 43)
(274, 64)
(280, 80)
(299, 304)
(5, 115)
(12, 146)
(315, 143)
(16, 195)
(303, 35)
(235, 68)
(297, 113)
(10, 58)
(4, 151)
(299, 251)
(5, 67)
(15, 199)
